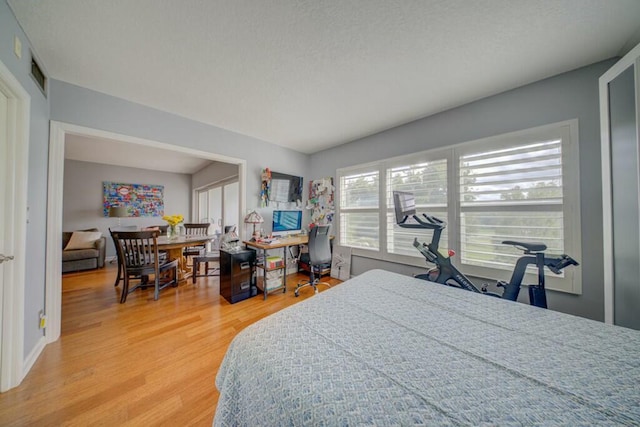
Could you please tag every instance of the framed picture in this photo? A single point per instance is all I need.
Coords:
(140, 199)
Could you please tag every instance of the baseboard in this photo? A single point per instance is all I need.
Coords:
(33, 356)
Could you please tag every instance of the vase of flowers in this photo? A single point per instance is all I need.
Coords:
(172, 222)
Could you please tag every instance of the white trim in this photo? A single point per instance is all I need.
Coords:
(623, 64)
(58, 132)
(33, 355)
(19, 118)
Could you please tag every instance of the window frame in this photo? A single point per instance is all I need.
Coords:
(570, 206)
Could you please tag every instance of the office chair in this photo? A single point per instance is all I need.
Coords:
(319, 256)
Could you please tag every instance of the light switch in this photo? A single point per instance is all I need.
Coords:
(17, 46)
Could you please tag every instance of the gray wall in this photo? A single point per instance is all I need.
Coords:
(84, 107)
(563, 97)
(37, 174)
(82, 205)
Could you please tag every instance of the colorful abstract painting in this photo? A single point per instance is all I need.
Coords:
(140, 199)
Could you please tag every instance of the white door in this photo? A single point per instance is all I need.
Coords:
(230, 202)
(219, 205)
(620, 127)
(4, 155)
(14, 122)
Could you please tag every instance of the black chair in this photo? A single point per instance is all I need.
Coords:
(319, 256)
(195, 230)
(138, 258)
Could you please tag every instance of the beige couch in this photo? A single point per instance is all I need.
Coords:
(84, 258)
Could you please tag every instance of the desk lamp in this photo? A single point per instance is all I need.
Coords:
(254, 218)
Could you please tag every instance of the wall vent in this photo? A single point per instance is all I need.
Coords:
(38, 76)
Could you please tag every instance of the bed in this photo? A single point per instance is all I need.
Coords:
(386, 349)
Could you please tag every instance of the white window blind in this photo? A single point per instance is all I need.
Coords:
(521, 186)
(359, 207)
(428, 183)
(510, 193)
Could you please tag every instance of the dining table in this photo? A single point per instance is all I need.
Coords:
(174, 246)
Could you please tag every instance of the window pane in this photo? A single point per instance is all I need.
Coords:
(518, 175)
(359, 230)
(202, 206)
(482, 234)
(400, 240)
(427, 181)
(359, 191)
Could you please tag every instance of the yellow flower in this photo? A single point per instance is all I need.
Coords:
(173, 220)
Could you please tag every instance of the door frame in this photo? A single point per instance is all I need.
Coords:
(12, 333)
(57, 135)
(631, 58)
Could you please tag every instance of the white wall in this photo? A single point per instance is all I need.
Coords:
(83, 197)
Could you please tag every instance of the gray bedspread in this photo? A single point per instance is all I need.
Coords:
(385, 349)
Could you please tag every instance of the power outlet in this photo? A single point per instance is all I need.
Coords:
(43, 320)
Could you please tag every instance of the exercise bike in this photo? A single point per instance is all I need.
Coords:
(444, 272)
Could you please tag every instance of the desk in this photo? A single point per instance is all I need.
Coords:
(284, 243)
(175, 247)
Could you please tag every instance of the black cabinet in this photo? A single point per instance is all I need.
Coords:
(236, 274)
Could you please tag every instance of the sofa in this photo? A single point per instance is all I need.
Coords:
(84, 251)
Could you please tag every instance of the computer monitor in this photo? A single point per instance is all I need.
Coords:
(286, 223)
(404, 204)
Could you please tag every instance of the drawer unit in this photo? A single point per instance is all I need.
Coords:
(236, 274)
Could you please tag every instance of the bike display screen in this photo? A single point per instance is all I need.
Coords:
(404, 204)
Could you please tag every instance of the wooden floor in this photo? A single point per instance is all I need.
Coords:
(144, 362)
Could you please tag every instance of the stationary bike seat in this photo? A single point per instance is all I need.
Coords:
(529, 247)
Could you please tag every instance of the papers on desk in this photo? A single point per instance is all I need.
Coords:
(269, 241)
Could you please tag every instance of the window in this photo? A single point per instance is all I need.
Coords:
(427, 180)
(520, 186)
(359, 210)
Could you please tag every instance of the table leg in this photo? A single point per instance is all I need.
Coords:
(183, 270)
(264, 273)
(284, 271)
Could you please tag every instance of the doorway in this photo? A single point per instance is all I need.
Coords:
(58, 132)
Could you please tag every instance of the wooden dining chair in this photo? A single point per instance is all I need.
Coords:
(115, 244)
(195, 230)
(139, 260)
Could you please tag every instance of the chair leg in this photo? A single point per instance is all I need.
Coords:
(174, 275)
(313, 282)
(125, 289)
(119, 276)
(196, 266)
(156, 287)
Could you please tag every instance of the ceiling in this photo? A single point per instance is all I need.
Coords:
(119, 153)
(312, 74)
